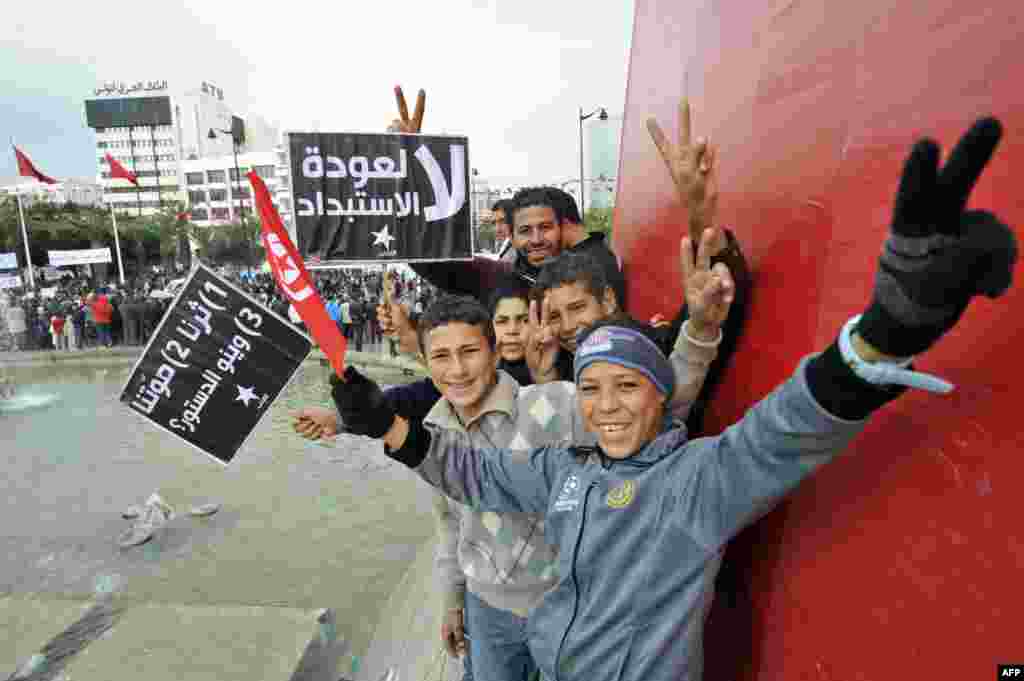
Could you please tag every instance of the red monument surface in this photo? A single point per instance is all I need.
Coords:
(904, 558)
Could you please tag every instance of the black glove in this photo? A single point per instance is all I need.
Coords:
(361, 404)
(938, 256)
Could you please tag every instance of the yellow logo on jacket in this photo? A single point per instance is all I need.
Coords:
(621, 496)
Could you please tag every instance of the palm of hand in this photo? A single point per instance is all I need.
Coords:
(541, 345)
(706, 298)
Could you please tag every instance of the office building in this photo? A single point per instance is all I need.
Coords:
(153, 131)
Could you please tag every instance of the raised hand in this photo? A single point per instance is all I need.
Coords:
(395, 323)
(541, 343)
(315, 423)
(938, 255)
(403, 123)
(709, 291)
(692, 166)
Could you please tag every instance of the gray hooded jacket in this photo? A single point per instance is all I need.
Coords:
(640, 539)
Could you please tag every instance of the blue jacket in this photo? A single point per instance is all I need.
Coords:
(640, 540)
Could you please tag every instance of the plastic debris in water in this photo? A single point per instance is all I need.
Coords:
(32, 666)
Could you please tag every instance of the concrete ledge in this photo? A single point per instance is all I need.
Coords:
(128, 355)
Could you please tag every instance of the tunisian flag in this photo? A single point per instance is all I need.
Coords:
(118, 170)
(293, 279)
(26, 168)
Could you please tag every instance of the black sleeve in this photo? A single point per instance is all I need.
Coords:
(843, 393)
(415, 448)
(413, 401)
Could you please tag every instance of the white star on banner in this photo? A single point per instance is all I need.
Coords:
(245, 394)
(382, 238)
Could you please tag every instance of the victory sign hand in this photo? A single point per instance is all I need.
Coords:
(541, 344)
(692, 166)
(938, 255)
(709, 291)
(403, 123)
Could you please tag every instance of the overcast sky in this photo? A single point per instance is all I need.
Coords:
(510, 74)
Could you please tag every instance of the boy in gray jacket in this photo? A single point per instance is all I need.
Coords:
(640, 520)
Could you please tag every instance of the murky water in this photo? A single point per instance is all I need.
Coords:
(303, 525)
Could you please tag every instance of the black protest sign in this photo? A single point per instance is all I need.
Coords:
(380, 198)
(214, 366)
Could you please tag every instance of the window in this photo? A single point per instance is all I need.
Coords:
(215, 176)
(240, 191)
(266, 172)
(193, 178)
(218, 194)
(234, 175)
(195, 197)
(219, 213)
(199, 214)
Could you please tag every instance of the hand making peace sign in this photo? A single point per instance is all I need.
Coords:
(404, 123)
(692, 166)
(709, 291)
(541, 344)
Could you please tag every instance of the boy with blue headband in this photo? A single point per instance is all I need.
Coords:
(640, 520)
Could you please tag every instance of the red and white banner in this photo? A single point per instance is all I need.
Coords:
(293, 279)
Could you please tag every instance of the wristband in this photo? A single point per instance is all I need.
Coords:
(702, 344)
(887, 373)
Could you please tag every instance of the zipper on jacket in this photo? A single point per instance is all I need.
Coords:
(575, 581)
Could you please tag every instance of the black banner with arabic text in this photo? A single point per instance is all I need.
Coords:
(215, 365)
(380, 197)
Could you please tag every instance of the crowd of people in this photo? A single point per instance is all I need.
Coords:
(582, 508)
(581, 522)
(78, 314)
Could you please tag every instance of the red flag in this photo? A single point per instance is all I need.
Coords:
(293, 279)
(26, 168)
(118, 170)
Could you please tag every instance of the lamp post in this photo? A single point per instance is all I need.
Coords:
(603, 116)
(238, 176)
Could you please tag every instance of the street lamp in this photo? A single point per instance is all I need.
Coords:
(602, 115)
(234, 149)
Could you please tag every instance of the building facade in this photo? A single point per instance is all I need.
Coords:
(154, 131)
(215, 194)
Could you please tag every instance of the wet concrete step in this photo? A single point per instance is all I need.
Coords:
(115, 639)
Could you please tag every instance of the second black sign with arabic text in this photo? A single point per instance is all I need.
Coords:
(380, 197)
(214, 367)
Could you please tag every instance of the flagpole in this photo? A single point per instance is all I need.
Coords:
(24, 236)
(131, 147)
(117, 243)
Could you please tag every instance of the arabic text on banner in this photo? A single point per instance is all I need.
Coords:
(8, 261)
(214, 367)
(381, 197)
(80, 257)
(10, 281)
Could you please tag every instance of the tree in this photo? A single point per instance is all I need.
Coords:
(599, 220)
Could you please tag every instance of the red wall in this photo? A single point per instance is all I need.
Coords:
(904, 558)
